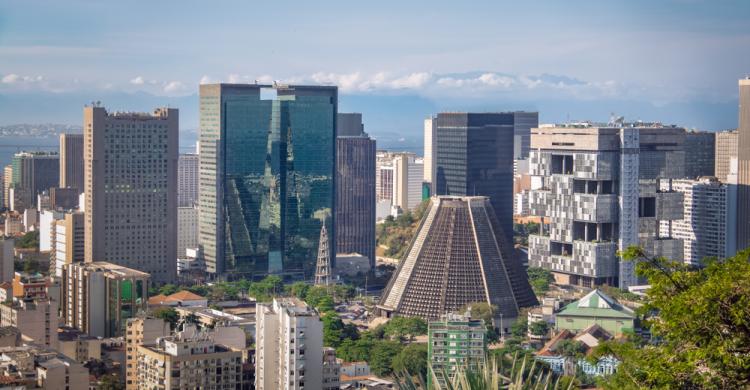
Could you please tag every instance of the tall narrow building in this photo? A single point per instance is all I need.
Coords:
(743, 159)
(33, 173)
(267, 177)
(131, 189)
(726, 150)
(71, 161)
(457, 257)
(429, 139)
(473, 155)
(355, 188)
(187, 180)
(700, 146)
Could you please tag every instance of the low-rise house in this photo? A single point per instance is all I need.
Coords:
(182, 298)
(596, 308)
(568, 362)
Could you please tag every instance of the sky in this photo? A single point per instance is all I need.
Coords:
(675, 61)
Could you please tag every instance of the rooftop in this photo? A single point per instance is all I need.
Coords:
(597, 304)
(113, 269)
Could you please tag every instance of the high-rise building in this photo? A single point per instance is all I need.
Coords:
(726, 149)
(598, 191)
(288, 346)
(474, 155)
(7, 246)
(267, 167)
(188, 360)
(7, 181)
(63, 198)
(46, 221)
(708, 227)
(408, 172)
(355, 190)
(349, 124)
(71, 161)
(743, 174)
(140, 331)
(457, 257)
(187, 180)
(523, 122)
(187, 229)
(98, 298)
(68, 239)
(455, 342)
(131, 189)
(33, 173)
(700, 147)
(384, 177)
(429, 139)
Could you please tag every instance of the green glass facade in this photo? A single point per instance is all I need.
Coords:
(266, 178)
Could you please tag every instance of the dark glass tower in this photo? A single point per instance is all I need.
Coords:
(355, 188)
(473, 155)
(266, 177)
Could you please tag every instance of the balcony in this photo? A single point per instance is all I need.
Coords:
(595, 208)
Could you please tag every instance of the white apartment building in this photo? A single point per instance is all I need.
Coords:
(68, 235)
(521, 203)
(47, 219)
(407, 181)
(709, 225)
(289, 346)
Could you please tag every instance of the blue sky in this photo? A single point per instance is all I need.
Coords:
(466, 55)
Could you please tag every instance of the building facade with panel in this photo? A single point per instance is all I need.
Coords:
(71, 161)
(267, 177)
(34, 173)
(700, 147)
(726, 150)
(355, 191)
(473, 156)
(598, 190)
(187, 180)
(131, 189)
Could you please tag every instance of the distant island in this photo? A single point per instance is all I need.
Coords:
(44, 130)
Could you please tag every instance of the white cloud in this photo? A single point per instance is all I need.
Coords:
(205, 80)
(174, 87)
(137, 81)
(13, 78)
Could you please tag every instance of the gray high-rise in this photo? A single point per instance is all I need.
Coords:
(267, 173)
(473, 155)
(355, 188)
(34, 172)
(700, 150)
(130, 176)
(743, 159)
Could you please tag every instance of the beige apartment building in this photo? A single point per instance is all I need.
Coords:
(726, 149)
(130, 164)
(140, 331)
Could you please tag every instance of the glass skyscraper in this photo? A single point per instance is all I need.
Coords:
(266, 179)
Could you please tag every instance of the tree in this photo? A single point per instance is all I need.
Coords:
(520, 327)
(570, 348)
(192, 319)
(297, 289)
(110, 382)
(539, 328)
(316, 294)
(168, 289)
(540, 279)
(381, 357)
(29, 240)
(405, 327)
(485, 312)
(335, 331)
(168, 314)
(700, 321)
(265, 289)
(412, 359)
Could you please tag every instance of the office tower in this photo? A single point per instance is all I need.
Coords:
(708, 227)
(355, 190)
(455, 342)
(36, 317)
(63, 198)
(7, 246)
(726, 149)
(99, 297)
(523, 122)
(68, 239)
(429, 139)
(7, 181)
(288, 346)
(407, 181)
(474, 155)
(384, 177)
(131, 189)
(743, 158)
(187, 180)
(349, 124)
(187, 229)
(34, 172)
(457, 257)
(140, 331)
(71, 161)
(597, 190)
(189, 359)
(700, 150)
(267, 167)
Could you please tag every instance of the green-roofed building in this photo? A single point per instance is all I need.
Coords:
(596, 308)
